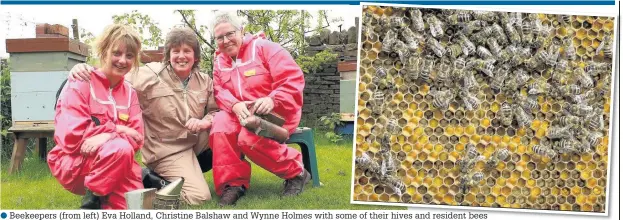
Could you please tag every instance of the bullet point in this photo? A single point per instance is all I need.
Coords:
(3, 215)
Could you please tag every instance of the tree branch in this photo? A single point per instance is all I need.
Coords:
(195, 29)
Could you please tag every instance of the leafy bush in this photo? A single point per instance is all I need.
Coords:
(5, 83)
(329, 122)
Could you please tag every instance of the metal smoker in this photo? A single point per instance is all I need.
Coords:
(168, 198)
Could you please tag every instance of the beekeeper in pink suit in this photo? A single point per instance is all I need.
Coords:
(253, 76)
(99, 127)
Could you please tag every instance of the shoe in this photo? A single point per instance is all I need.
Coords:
(231, 194)
(152, 180)
(205, 160)
(91, 201)
(295, 185)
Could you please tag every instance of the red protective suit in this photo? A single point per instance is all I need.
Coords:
(112, 170)
(262, 69)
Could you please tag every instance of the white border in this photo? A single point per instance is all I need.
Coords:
(613, 103)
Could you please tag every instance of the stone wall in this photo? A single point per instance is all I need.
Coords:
(322, 87)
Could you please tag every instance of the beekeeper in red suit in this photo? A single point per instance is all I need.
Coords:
(99, 127)
(253, 76)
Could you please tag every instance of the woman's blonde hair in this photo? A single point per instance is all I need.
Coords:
(114, 35)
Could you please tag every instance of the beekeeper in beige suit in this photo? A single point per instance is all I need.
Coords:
(178, 105)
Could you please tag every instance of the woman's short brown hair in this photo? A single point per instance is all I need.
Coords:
(179, 36)
(115, 34)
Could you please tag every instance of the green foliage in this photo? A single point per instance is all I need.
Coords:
(5, 86)
(329, 123)
(146, 27)
(286, 27)
(89, 39)
(309, 64)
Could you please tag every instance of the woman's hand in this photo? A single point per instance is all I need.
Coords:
(198, 125)
(81, 72)
(241, 110)
(130, 132)
(90, 145)
(263, 106)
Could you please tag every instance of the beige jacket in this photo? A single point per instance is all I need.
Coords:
(167, 106)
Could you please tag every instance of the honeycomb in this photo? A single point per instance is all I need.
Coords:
(483, 109)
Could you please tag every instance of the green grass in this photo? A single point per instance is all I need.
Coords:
(34, 187)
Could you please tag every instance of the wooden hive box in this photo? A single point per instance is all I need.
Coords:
(38, 67)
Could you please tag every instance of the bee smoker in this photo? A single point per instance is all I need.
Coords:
(268, 126)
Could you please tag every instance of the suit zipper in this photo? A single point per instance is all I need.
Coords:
(114, 106)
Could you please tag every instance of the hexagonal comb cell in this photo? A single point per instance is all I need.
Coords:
(484, 109)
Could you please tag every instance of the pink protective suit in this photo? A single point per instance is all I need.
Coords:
(262, 69)
(112, 170)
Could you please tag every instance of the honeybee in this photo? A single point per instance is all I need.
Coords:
(580, 109)
(568, 90)
(512, 34)
(538, 87)
(414, 67)
(381, 72)
(565, 19)
(444, 71)
(470, 101)
(478, 176)
(436, 47)
(471, 26)
(498, 155)
(544, 151)
(465, 183)
(561, 65)
(585, 80)
(567, 120)
(594, 138)
(388, 167)
(469, 81)
(471, 152)
(485, 66)
(416, 19)
(558, 132)
(506, 114)
(412, 38)
(522, 76)
(435, 26)
(484, 15)
(523, 118)
(607, 48)
(396, 184)
(569, 49)
(396, 22)
(403, 53)
(427, 68)
(499, 34)
(527, 103)
(494, 47)
(467, 45)
(366, 163)
(595, 121)
(442, 99)
(498, 80)
(378, 100)
(455, 19)
(459, 63)
(454, 50)
(389, 40)
(565, 146)
(553, 55)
